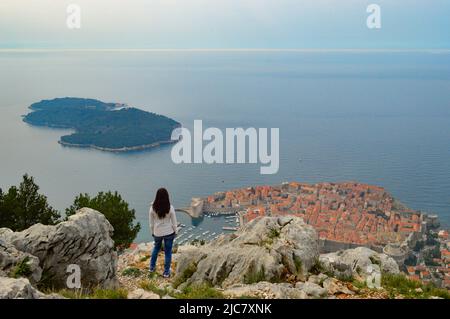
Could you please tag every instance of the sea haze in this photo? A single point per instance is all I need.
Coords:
(380, 118)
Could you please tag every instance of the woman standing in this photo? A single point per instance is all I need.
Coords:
(163, 226)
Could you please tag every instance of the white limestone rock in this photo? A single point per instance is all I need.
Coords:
(262, 251)
(312, 289)
(359, 262)
(142, 294)
(265, 290)
(11, 288)
(11, 258)
(84, 239)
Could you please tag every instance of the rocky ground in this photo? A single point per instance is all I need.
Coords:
(271, 257)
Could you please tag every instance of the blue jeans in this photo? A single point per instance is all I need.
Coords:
(168, 243)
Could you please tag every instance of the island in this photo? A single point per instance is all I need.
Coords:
(104, 126)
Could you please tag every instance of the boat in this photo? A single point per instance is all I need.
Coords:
(229, 228)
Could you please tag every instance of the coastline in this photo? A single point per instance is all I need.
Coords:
(118, 150)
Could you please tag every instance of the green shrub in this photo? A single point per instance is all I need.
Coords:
(71, 294)
(22, 269)
(201, 291)
(46, 282)
(152, 275)
(150, 285)
(400, 284)
(109, 294)
(273, 233)
(187, 273)
(116, 211)
(253, 276)
(359, 284)
(318, 268)
(345, 277)
(95, 294)
(298, 264)
(23, 206)
(132, 272)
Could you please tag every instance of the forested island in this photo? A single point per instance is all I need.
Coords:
(104, 126)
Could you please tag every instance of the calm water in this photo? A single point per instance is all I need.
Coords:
(379, 118)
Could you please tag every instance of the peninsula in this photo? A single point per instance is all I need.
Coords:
(111, 127)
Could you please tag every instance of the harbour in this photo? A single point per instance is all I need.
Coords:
(209, 226)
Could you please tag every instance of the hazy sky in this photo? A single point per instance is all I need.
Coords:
(406, 24)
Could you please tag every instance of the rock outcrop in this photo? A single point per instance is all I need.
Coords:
(142, 294)
(359, 262)
(266, 249)
(277, 257)
(270, 257)
(84, 240)
(265, 290)
(11, 259)
(312, 289)
(11, 288)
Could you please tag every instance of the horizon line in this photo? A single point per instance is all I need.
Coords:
(306, 50)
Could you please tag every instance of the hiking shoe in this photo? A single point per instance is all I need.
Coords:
(165, 275)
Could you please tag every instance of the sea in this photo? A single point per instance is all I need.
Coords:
(377, 117)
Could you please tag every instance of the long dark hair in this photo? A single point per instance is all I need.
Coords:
(161, 204)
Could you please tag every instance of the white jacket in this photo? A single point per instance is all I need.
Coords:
(163, 226)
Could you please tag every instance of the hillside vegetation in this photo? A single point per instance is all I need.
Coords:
(106, 126)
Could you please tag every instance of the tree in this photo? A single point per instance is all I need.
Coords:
(23, 206)
(116, 211)
(432, 239)
(5, 217)
(419, 246)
